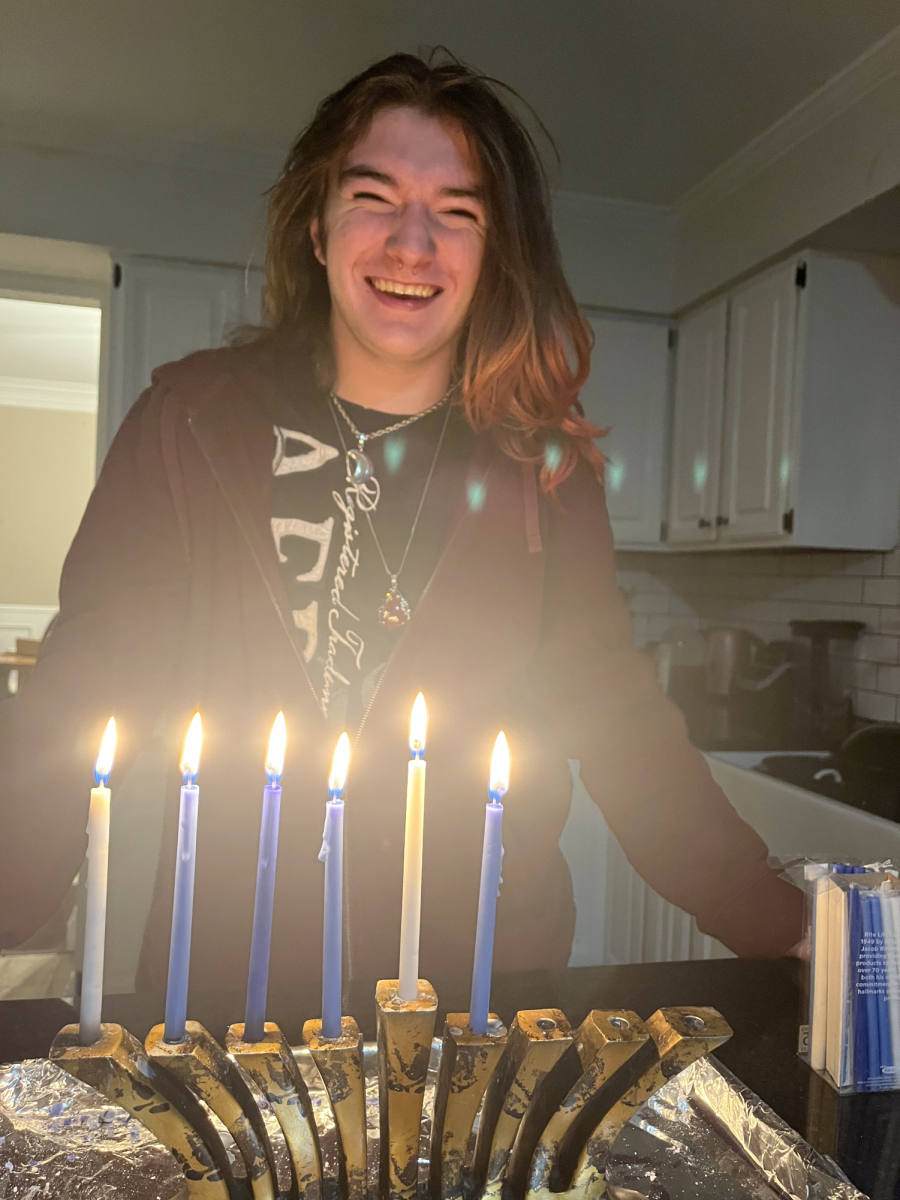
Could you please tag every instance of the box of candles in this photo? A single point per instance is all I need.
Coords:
(853, 1035)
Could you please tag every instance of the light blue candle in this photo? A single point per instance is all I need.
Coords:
(261, 941)
(332, 855)
(491, 864)
(183, 905)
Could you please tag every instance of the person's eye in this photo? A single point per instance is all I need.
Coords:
(370, 196)
(462, 212)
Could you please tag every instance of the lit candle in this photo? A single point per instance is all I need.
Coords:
(183, 906)
(411, 911)
(261, 942)
(95, 906)
(491, 862)
(332, 855)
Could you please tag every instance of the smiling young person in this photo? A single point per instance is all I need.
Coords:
(390, 487)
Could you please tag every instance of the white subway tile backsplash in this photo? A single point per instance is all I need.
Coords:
(889, 680)
(876, 648)
(881, 591)
(874, 706)
(865, 675)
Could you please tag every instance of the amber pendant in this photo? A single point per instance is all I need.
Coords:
(359, 466)
(394, 612)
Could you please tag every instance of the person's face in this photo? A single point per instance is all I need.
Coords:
(404, 232)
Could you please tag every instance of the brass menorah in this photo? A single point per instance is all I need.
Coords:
(552, 1100)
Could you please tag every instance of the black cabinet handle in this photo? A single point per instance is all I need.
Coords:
(720, 521)
(702, 523)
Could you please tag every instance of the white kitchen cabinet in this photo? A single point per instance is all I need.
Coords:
(160, 311)
(810, 411)
(756, 444)
(697, 424)
(627, 393)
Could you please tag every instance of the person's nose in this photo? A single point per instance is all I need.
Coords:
(411, 245)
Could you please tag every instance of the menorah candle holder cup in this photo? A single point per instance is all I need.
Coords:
(271, 1065)
(199, 1063)
(552, 1101)
(405, 1032)
(118, 1068)
(340, 1063)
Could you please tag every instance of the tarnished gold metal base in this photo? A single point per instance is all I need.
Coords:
(119, 1069)
(537, 1039)
(272, 1067)
(554, 1102)
(340, 1063)
(467, 1062)
(679, 1037)
(405, 1031)
(200, 1063)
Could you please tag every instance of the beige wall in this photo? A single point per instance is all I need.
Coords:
(46, 476)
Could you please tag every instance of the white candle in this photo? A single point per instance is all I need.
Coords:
(411, 911)
(95, 907)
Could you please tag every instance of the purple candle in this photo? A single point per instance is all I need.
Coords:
(261, 941)
(183, 904)
(491, 863)
(332, 855)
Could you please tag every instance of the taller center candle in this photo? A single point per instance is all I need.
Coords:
(332, 854)
(411, 911)
(183, 903)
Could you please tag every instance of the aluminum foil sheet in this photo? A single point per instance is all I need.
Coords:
(704, 1136)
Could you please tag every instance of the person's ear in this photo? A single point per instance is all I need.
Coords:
(315, 234)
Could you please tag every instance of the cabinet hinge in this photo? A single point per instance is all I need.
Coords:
(787, 521)
(117, 275)
(800, 275)
(673, 337)
(663, 531)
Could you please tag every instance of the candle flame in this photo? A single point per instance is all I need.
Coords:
(418, 727)
(104, 762)
(499, 768)
(275, 753)
(190, 755)
(339, 765)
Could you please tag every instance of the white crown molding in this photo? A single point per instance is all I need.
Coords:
(55, 394)
(873, 68)
(617, 214)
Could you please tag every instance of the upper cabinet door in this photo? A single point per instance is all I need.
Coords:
(627, 393)
(697, 424)
(756, 458)
(161, 311)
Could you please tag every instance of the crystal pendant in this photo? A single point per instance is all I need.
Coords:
(359, 466)
(394, 612)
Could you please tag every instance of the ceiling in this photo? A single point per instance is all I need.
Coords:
(643, 97)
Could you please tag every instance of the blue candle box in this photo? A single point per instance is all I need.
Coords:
(854, 993)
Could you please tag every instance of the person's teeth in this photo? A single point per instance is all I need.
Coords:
(404, 289)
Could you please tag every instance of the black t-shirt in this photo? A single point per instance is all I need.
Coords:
(330, 564)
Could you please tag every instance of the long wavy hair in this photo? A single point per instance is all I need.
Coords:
(524, 351)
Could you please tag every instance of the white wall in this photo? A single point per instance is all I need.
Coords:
(168, 209)
(616, 254)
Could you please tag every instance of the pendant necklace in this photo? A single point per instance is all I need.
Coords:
(394, 611)
(359, 465)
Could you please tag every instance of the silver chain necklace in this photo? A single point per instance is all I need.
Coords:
(359, 465)
(394, 611)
